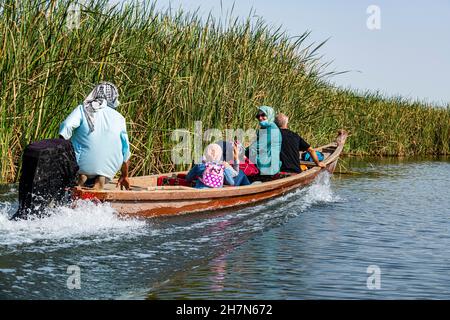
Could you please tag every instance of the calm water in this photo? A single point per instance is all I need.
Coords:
(315, 243)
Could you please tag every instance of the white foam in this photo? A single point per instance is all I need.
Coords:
(284, 207)
(102, 222)
(290, 205)
(85, 220)
(319, 192)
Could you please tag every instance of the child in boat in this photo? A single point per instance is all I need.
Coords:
(213, 172)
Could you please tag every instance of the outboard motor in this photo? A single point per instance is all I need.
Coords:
(49, 169)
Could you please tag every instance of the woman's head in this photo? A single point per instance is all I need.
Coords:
(265, 115)
(213, 153)
(261, 116)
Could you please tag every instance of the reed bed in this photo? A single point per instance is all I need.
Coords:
(173, 69)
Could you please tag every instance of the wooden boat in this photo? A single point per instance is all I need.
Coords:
(147, 200)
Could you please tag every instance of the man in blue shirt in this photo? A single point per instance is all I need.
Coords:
(99, 137)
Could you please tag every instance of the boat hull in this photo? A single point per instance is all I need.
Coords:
(148, 201)
(158, 208)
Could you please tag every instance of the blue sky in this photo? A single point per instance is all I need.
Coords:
(409, 55)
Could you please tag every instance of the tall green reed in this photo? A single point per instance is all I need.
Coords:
(173, 69)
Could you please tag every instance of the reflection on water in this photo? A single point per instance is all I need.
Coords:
(314, 243)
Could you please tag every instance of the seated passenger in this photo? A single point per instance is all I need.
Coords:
(291, 146)
(213, 172)
(265, 151)
(99, 136)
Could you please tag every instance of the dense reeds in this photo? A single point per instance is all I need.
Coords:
(173, 69)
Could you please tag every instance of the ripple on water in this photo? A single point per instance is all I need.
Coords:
(316, 242)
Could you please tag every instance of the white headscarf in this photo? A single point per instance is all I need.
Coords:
(104, 94)
(213, 153)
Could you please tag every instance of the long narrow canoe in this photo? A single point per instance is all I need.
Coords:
(147, 200)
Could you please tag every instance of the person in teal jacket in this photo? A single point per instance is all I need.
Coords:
(265, 151)
(99, 136)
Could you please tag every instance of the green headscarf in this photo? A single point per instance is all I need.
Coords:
(269, 113)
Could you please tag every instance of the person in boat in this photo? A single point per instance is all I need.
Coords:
(291, 146)
(265, 151)
(213, 172)
(99, 137)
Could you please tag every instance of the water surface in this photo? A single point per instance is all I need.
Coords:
(314, 243)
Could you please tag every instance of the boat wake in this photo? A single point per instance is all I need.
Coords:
(85, 220)
(317, 193)
(320, 192)
(278, 211)
(100, 222)
(256, 218)
(124, 257)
